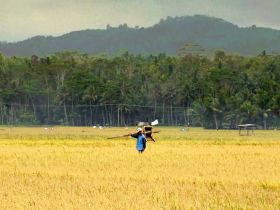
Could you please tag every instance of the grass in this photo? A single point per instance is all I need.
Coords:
(78, 168)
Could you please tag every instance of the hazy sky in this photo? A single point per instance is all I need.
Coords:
(21, 19)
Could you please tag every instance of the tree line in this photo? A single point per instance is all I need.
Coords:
(71, 88)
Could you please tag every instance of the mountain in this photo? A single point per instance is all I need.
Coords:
(173, 35)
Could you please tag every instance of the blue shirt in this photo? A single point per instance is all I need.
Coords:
(141, 143)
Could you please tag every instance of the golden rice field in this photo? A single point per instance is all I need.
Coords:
(78, 168)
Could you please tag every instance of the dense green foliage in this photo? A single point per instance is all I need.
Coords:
(79, 89)
(171, 36)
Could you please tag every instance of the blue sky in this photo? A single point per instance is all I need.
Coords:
(21, 19)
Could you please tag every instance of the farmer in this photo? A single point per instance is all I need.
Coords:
(141, 140)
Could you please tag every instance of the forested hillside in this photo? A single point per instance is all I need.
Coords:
(81, 89)
(179, 35)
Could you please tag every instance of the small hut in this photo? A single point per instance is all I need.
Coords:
(247, 128)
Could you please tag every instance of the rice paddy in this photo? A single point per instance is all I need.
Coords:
(79, 168)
